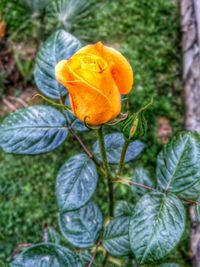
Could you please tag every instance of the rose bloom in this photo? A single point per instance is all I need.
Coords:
(95, 77)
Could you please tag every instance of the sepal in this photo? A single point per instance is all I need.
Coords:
(135, 125)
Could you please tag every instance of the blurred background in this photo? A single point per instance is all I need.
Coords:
(147, 32)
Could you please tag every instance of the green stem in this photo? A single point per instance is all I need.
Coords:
(103, 151)
(105, 260)
(107, 170)
(122, 158)
(94, 254)
(83, 146)
(80, 141)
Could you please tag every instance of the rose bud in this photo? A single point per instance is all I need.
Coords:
(95, 76)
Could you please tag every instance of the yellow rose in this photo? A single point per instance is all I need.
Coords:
(95, 76)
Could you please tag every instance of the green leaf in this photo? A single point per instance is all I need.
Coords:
(75, 123)
(115, 238)
(35, 6)
(156, 226)
(123, 208)
(81, 227)
(33, 130)
(76, 182)
(141, 176)
(114, 143)
(85, 258)
(178, 165)
(69, 12)
(47, 255)
(60, 45)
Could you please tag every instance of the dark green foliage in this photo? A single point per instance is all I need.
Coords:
(27, 198)
(33, 130)
(114, 143)
(156, 226)
(116, 236)
(70, 13)
(141, 176)
(123, 208)
(178, 168)
(82, 227)
(146, 32)
(76, 182)
(47, 254)
(36, 7)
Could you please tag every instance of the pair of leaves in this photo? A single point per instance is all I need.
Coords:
(158, 220)
(76, 182)
(114, 143)
(149, 231)
(48, 255)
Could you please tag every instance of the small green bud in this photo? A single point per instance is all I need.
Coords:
(135, 126)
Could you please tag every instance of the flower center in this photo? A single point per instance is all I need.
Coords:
(93, 63)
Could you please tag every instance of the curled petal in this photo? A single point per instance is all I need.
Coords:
(61, 72)
(101, 81)
(86, 100)
(120, 68)
(91, 104)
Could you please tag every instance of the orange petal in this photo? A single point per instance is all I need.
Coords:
(120, 68)
(61, 72)
(101, 81)
(86, 100)
(89, 103)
